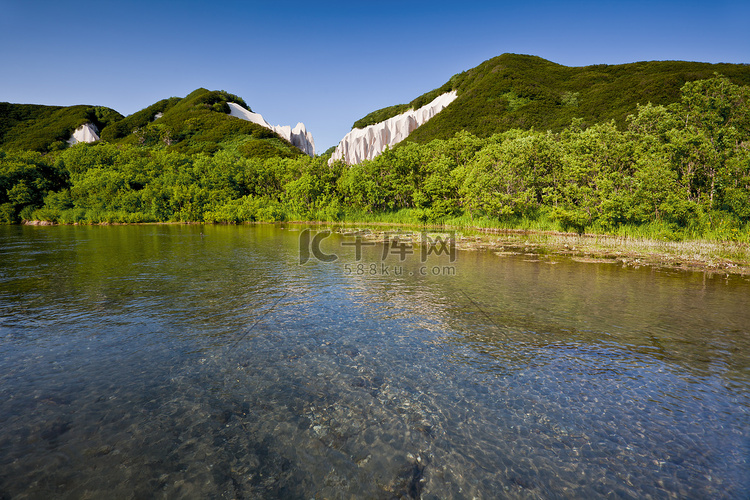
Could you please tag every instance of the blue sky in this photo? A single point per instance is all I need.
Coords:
(329, 63)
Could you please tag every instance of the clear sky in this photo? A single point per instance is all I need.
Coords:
(328, 64)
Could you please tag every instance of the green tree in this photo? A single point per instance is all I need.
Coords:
(25, 179)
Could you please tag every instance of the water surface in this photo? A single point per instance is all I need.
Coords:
(203, 361)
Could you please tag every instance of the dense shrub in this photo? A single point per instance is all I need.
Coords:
(25, 179)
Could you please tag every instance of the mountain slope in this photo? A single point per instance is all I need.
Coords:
(519, 91)
(199, 123)
(47, 128)
(139, 119)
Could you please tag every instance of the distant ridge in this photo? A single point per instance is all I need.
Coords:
(506, 92)
(201, 122)
(47, 128)
(522, 91)
(197, 123)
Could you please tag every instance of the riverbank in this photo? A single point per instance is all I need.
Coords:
(716, 258)
(698, 255)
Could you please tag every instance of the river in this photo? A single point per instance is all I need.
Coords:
(188, 361)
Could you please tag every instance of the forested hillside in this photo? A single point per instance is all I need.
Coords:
(523, 92)
(34, 127)
(677, 171)
(197, 123)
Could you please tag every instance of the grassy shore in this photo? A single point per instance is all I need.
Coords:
(631, 247)
(699, 255)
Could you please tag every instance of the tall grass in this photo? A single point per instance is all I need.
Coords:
(651, 240)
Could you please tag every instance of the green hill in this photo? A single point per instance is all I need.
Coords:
(198, 123)
(122, 128)
(520, 91)
(46, 128)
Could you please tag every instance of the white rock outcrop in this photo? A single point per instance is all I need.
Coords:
(85, 133)
(369, 142)
(298, 136)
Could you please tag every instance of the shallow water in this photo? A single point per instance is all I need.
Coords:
(205, 362)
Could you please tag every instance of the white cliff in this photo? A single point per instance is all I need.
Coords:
(85, 133)
(369, 142)
(298, 136)
(303, 139)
